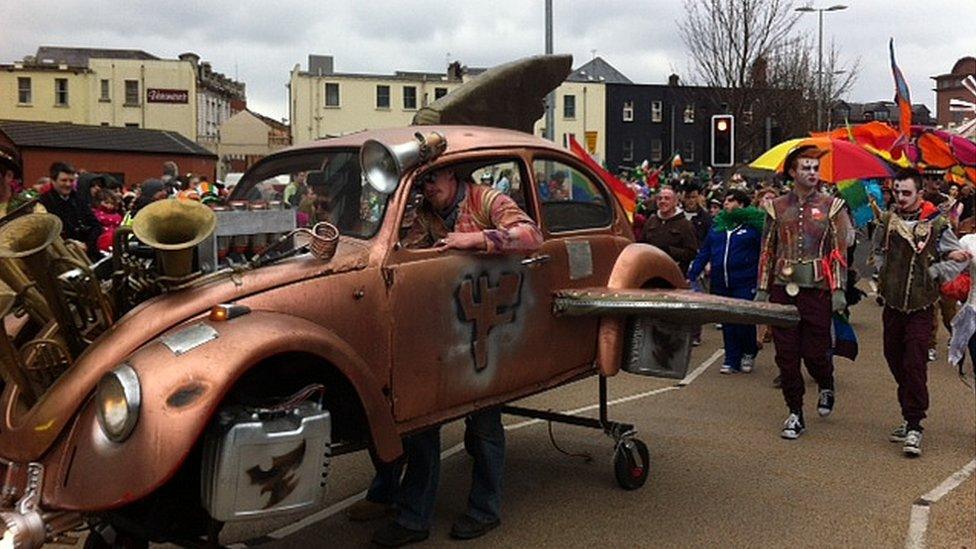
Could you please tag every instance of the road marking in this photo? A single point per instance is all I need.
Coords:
(699, 370)
(918, 523)
(340, 506)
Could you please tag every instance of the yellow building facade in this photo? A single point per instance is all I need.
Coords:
(324, 103)
(146, 93)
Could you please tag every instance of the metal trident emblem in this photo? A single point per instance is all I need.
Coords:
(489, 308)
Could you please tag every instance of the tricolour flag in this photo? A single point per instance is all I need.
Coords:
(902, 97)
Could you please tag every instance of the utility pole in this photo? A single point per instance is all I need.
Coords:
(551, 98)
(820, 12)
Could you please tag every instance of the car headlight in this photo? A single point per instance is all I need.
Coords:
(117, 399)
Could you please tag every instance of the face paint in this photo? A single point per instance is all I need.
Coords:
(807, 172)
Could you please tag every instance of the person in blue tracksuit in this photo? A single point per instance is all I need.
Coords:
(731, 249)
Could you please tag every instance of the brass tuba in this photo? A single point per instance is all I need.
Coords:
(59, 292)
(174, 228)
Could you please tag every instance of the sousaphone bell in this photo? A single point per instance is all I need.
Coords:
(174, 228)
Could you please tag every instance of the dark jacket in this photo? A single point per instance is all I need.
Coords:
(701, 221)
(675, 236)
(733, 254)
(77, 220)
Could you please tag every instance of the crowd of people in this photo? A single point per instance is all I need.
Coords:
(791, 239)
(787, 240)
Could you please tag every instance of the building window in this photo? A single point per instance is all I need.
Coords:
(439, 92)
(106, 88)
(332, 95)
(24, 91)
(131, 124)
(567, 137)
(569, 106)
(628, 150)
(629, 112)
(688, 155)
(131, 92)
(105, 124)
(410, 97)
(880, 115)
(382, 97)
(656, 108)
(657, 150)
(61, 92)
(690, 113)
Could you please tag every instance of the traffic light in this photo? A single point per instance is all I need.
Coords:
(723, 140)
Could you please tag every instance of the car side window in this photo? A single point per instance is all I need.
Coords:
(570, 199)
(505, 176)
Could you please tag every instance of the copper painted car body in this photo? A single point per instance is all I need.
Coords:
(406, 333)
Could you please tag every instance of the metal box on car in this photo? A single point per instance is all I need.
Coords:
(655, 348)
(246, 222)
(256, 467)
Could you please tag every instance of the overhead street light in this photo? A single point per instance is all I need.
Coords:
(820, 12)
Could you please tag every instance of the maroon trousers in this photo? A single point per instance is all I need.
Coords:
(809, 340)
(906, 343)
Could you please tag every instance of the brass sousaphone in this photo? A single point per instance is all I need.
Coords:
(174, 228)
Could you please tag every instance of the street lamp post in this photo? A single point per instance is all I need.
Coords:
(820, 12)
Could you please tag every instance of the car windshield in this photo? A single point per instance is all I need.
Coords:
(320, 186)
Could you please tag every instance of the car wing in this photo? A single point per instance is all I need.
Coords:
(672, 306)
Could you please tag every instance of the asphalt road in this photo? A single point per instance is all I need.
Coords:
(721, 475)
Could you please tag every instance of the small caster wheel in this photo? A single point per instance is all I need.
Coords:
(631, 464)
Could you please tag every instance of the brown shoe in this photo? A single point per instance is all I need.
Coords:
(365, 510)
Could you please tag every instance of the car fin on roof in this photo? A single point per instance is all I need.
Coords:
(507, 96)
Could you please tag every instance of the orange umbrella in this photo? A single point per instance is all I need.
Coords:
(844, 160)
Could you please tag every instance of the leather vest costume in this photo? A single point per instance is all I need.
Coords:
(904, 282)
(805, 245)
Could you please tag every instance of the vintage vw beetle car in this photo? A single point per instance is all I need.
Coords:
(223, 400)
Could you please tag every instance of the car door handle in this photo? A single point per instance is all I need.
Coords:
(535, 260)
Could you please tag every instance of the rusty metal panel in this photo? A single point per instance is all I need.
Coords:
(678, 306)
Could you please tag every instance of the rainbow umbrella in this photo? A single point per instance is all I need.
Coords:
(844, 160)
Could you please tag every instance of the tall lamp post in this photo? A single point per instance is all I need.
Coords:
(820, 12)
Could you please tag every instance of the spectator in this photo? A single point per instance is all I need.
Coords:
(669, 230)
(694, 203)
(731, 249)
(108, 212)
(89, 187)
(78, 221)
(170, 172)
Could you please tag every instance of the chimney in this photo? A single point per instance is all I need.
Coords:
(320, 64)
(191, 57)
(673, 80)
(759, 70)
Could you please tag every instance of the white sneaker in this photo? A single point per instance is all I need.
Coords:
(933, 355)
(913, 443)
(748, 361)
(825, 402)
(899, 433)
(792, 428)
(726, 369)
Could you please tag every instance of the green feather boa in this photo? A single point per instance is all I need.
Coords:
(751, 216)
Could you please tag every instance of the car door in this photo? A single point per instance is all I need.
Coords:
(468, 327)
(576, 214)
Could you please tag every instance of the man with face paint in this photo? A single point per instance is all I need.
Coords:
(915, 250)
(803, 263)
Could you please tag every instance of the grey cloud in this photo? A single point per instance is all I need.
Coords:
(261, 40)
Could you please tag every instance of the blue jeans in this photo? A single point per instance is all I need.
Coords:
(738, 339)
(415, 495)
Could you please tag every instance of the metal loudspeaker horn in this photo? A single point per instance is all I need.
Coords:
(383, 165)
(173, 228)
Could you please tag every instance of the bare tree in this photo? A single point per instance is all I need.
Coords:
(761, 67)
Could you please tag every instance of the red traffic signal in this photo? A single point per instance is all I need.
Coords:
(723, 140)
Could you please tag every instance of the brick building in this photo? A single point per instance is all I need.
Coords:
(131, 155)
(948, 87)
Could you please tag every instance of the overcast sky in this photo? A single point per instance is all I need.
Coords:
(259, 42)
